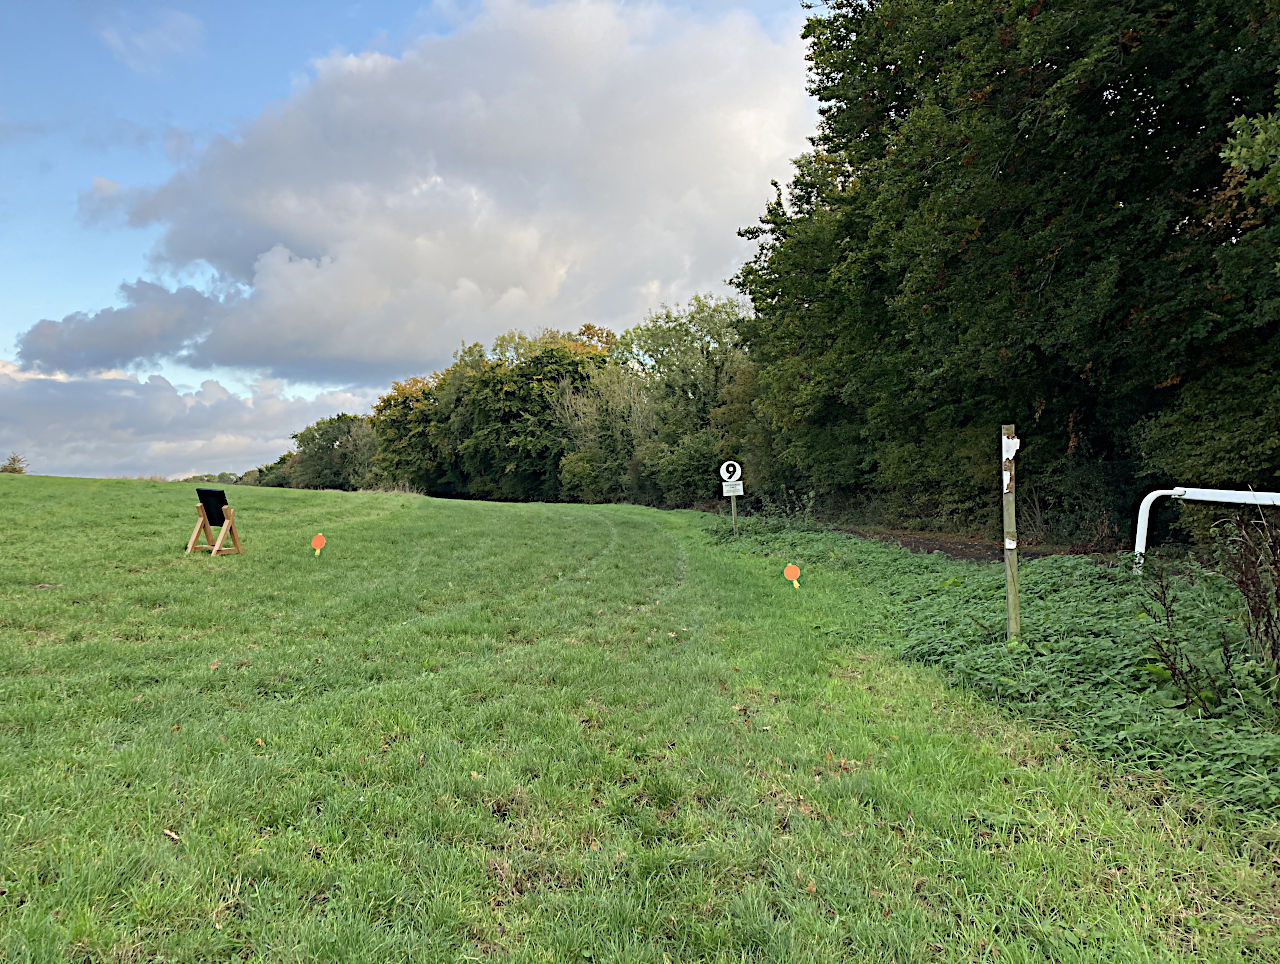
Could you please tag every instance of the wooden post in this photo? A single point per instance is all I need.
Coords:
(228, 527)
(1009, 444)
(731, 474)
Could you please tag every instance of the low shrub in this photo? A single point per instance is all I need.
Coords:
(1248, 554)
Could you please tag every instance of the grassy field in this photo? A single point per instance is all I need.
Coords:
(471, 731)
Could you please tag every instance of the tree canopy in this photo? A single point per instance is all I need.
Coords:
(1016, 212)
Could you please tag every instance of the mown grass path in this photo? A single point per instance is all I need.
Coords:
(472, 731)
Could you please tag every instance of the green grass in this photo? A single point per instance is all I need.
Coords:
(471, 731)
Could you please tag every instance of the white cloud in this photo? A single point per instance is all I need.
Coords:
(117, 424)
(149, 45)
(100, 201)
(543, 165)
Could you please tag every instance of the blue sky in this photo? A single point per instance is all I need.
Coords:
(98, 91)
(221, 222)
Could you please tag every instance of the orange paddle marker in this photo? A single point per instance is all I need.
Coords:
(317, 542)
(791, 573)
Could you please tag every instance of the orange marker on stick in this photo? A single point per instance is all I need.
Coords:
(317, 542)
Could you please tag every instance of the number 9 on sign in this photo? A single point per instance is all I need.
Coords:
(731, 471)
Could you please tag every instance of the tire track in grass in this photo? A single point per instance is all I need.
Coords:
(592, 561)
(509, 601)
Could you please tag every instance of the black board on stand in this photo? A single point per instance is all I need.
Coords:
(212, 510)
(213, 501)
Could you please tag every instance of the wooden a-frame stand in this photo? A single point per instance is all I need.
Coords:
(228, 528)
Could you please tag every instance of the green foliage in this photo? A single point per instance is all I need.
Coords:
(581, 478)
(689, 356)
(744, 434)
(1219, 431)
(486, 427)
(1013, 213)
(276, 475)
(15, 464)
(644, 417)
(1255, 147)
(674, 400)
(792, 509)
(1248, 554)
(1089, 660)
(334, 453)
(223, 478)
(610, 422)
(685, 470)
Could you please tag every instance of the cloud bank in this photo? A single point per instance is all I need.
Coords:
(115, 423)
(543, 165)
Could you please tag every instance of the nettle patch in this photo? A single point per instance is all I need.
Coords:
(1162, 673)
(1156, 672)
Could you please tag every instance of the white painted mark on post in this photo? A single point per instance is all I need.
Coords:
(1008, 448)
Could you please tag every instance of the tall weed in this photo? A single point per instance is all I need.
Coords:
(1248, 552)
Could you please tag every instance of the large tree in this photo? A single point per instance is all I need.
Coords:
(486, 426)
(333, 453)
(1013, 212)
(649, 427)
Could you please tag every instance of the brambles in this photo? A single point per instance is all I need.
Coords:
(1202, 676)
(1248, 553)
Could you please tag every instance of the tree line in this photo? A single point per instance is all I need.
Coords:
(1057, 214)
(589, 416)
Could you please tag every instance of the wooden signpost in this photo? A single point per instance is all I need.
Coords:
(212, 511)
(731, 474)
(1009, 444)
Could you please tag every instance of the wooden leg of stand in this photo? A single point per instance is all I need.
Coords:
(235, 536)
(227, 517)
(202, 525)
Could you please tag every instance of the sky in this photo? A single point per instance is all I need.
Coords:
(222, 222)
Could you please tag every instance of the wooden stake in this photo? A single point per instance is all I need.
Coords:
(733, 507)
(1009, 444)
